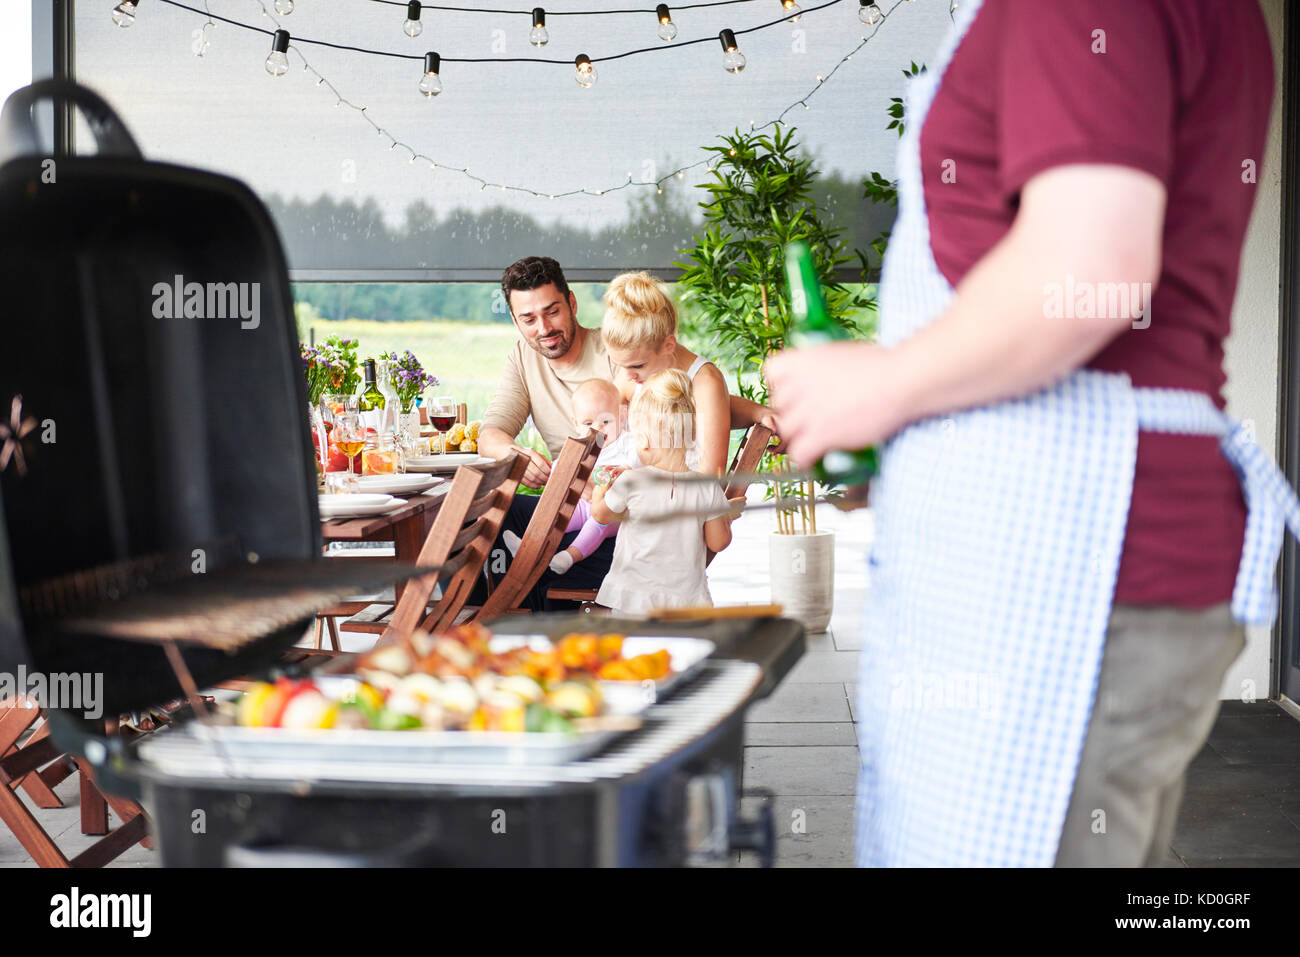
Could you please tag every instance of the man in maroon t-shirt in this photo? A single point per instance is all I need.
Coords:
(1116, 143)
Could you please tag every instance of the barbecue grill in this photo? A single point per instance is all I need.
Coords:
(183, 443)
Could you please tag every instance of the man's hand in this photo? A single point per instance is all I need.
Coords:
(767, 419)
(539, 467)
(839, 396)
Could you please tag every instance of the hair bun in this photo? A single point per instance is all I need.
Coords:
(671, 385)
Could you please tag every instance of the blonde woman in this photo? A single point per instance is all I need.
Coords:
(640, 334)
(660, 563)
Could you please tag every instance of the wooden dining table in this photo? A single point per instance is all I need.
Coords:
(406, 527)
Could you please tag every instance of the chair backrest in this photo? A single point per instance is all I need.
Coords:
(748, 455)
(569, 474)
(467, 524)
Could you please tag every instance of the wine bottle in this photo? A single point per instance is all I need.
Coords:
(371, 397)
(812, 325)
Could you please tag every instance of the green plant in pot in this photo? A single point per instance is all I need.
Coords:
(734, 289)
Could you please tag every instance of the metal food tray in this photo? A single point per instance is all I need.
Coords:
(686, 656)
(366, 746)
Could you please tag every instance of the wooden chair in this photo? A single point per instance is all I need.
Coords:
(746, 459)
(37, 766)
(569, 474)
(467, 524)
(459, 542)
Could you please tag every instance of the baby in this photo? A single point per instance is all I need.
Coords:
(596, 405)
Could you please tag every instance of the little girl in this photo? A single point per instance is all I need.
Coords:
(659, 563)
(596, 405)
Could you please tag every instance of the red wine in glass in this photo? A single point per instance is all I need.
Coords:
(442, 413)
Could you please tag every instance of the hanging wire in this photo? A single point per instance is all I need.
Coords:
(562, 13)
(395, 143)
(677, 44)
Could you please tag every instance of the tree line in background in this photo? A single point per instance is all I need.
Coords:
(659, 228)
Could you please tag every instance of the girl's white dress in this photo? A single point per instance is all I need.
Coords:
(660, 564)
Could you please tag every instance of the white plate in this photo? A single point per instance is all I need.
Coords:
(353, 501)
(396, 484)
(347, 510)
(444, 463)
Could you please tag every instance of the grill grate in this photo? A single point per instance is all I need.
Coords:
(721, 688)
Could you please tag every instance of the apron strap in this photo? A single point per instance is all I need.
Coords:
(1271, 503)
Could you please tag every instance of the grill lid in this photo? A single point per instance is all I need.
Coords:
(153, 369)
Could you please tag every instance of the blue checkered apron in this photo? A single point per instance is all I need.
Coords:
(998, 537)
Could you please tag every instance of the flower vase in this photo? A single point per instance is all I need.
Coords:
(408, 423)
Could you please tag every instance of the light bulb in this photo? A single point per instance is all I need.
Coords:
(284, 7)
(412, 27)
(733, 61)
(869, 13)
(277, 64)
(792, 8)
(952, 7)
(584, 72)
(124, 13)
(538, 36)
(431, 83)
(667, 29)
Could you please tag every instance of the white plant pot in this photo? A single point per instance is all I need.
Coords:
(803, 577)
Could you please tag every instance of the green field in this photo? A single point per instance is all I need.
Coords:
(467, 357)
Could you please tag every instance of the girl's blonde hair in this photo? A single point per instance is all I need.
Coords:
(638, 313)
(664, 410)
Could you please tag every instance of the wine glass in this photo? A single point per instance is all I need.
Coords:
(350, 437)
(442, 415)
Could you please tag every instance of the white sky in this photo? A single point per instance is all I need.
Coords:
(15, 46)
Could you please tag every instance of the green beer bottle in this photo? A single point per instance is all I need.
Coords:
(812, 325)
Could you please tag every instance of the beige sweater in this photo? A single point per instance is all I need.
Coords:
(530, 384)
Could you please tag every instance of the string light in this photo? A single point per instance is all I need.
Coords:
(667, 29)
(733, 61)
(284, 7)
(412, 26)
(869, 12)
(124, 13)
(792, 8)
(277, 64)
(431, 83)
(539, 15)
(341, 101)
(538, 36)
(584, 72)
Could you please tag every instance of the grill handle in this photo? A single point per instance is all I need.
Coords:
(757, 833)
(18, 134)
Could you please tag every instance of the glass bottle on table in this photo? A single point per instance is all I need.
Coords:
(371, 398)
(811, 325)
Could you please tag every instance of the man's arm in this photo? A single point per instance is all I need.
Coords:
(505, 416)
(997, 340)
